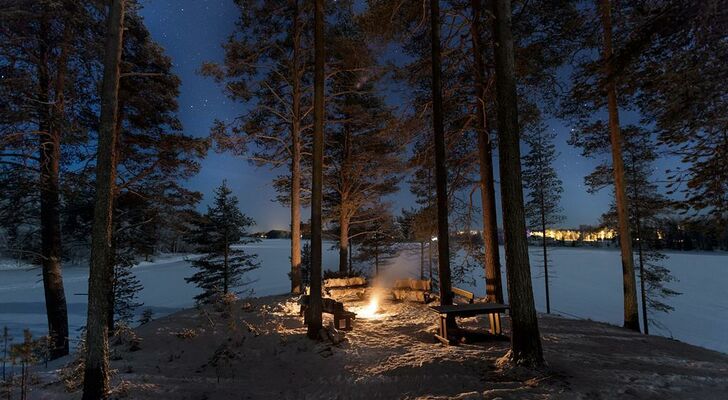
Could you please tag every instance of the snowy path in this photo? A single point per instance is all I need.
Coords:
(586, 285)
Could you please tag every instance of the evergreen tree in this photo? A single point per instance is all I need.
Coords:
(45, 93)
(221, 271)
(597, 87)
(526, 347)
(669, 54)
(363, 151)
(378, 247)
(647, 207)
(269, 59)
(315, 306)
(125, 287)
(544, 191)
(96, 371)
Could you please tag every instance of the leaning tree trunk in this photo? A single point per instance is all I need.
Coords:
(525, 339)
(631, 315)
(493, 284)
(443, 234)
(96, 374)
(50, 205)
(296, 284)
(315, 307)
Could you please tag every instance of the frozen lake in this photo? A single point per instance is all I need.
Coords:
(586, 284)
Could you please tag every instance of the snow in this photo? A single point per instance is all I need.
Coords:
(586, 283)
(260, 351)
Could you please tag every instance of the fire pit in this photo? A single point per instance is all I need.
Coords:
(372, 310)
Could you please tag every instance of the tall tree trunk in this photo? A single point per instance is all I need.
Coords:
(640, 243)
(429, 257)
(343, 242)
(443, 234)
(50, 205)
(493, 284)
(422, 260)
(545, 252)
(296, 284)
(643, 292)
(96, 374)
(631, 316)
(315, 306)
(376, 257)
(351, 248)
(525, 339)
(114, 242)
(226, 267)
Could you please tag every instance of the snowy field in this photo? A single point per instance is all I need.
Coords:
(587, 284)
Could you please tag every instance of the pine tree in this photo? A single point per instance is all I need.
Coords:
(525, 338)
(315, 307)
(125, 286)
(222, 269)
(269, 59)
(544, 191)
(647, 207)
(44, 98)
(96, 374)
(443, 228)
(377, 246)
(363, 151)
(670, 58)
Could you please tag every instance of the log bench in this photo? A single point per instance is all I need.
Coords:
(342, 317)
(412, 290)
(337, 287)
(493, 310)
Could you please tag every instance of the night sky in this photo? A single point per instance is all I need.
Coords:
(192, 31)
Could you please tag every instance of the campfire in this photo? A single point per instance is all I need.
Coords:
(371, 310)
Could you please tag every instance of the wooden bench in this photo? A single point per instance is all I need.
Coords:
(342, 317)
(412, 290)
(493, 310)
(466, 295)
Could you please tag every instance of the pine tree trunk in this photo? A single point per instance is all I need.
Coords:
(50, 223)
(631, 317)
(226, 267)
(443, 234)
(525, 338)
(493, 284)
(96, 374)
(422, 260)
(545, 253)
(376, 259)
(351, 248)
(643, 292)
(296, 284)
(315, 306)
(343, 242)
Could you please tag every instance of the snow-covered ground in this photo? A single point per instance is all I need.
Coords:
(586, 284)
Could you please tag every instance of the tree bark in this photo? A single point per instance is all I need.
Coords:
(493, 284)
(315, 306)
(422, 260)
(96, 374)
(296, 284)
(545, 252)
(631, 315)
(50, 223)
(343, 242)
(443, 234)
(525, 339)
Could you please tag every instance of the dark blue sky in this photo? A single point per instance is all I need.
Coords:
(192, 31)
